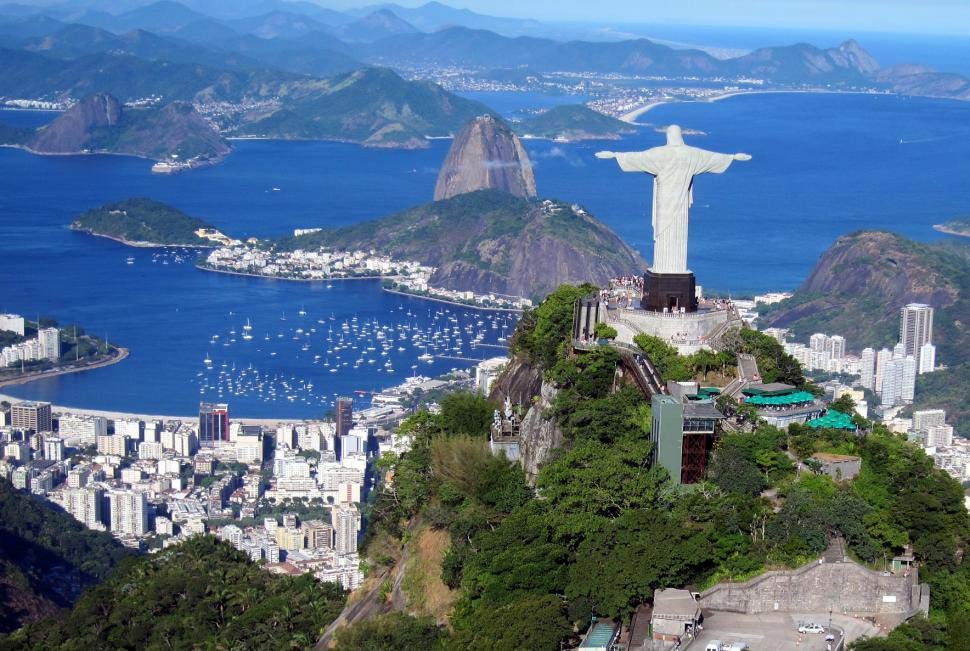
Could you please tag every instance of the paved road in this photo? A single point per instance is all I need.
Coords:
(777, 631)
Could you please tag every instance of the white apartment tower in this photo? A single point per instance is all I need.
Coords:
(346, 525)
(85, 505)
(915, 328)
(882, 359)
(927, 358)
(128, 512)
(867, 368)
(923, 419)
(50, 343)
(907, 388)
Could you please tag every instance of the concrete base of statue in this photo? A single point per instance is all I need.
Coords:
(669, 292)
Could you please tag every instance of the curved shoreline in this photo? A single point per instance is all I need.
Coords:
(631, 116)
(942, 228)
(449, 302)
(42, 375)
(140, 245)
(299, 280)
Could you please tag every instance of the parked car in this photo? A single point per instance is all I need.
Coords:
(739, 645)
(811, 628)
(714, 645)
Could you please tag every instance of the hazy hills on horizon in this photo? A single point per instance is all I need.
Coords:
(306, 38)
(286, 67)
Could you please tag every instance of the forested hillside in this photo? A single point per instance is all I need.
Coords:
(200, 594)
(46, 558)
(604, 528)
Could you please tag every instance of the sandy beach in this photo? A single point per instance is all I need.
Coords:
(631, 117)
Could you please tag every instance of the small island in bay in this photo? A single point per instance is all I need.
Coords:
(147, 223)
(573, 122)
(960, 227)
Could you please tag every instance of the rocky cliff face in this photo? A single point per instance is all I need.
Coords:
(486, 155)
(539, 434)
(100, 124)
(71, 131)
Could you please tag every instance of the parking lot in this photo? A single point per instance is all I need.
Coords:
(777, 631)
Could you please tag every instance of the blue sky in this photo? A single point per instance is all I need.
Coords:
(908, 16)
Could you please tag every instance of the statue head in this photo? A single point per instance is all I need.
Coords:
(674, 135)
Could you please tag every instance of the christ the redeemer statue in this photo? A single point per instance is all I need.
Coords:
(673, 167)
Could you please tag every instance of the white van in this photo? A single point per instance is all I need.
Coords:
(714, 645)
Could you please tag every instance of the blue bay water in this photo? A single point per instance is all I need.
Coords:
(824, 165)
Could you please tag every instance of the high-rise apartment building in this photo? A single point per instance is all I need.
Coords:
(318, 534)
(85, 505)
(867, 368)
(50, 343)
(907, 387)
(128, 512)
(882, 359)
(34, 416)
(346, 526)
(835, 347)
(923, 419)
(213, 423)
(345, 415)
(53, 448)
(915, 328)
(927, 358)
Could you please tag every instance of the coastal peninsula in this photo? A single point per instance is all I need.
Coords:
(175, 134)
(144, 222)
(959, 227)
(32, 350)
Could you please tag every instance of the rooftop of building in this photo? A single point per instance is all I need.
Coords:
(768, 389)
(702, 410)
(780, 399)
(600, 635)
(31, 404)
(833, 420)
(673, 602)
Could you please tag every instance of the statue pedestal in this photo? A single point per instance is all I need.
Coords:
(669, 291)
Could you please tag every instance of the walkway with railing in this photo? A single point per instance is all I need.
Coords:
(644, 372)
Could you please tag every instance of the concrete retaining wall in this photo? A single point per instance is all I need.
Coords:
(843, 587)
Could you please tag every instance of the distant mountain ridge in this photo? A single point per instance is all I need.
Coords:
(373, 106)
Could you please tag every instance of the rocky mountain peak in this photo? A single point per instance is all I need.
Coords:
(71, 130)
(858, 57)
(486, 155)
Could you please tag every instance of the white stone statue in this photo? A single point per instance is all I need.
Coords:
(673, 167)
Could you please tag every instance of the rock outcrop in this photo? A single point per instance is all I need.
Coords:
(539, 434)
(100, 124)
(486, 155)
(71, 131)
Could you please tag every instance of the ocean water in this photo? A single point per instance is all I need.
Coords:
(823, 165)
